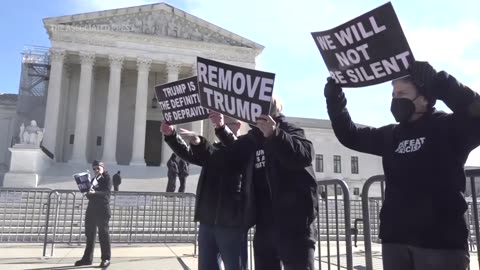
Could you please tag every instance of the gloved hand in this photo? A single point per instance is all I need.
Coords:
(426, 77)
(332, 89)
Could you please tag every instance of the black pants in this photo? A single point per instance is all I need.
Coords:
(115, 188)
(182, 179)
(172, 178)
(406, 257)
(97, 217)
(273, 248)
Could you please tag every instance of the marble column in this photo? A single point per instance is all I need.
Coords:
(173, 69)
(57, 57)
(62, 118)
(113, 102)
(141, 103)
(82, 117)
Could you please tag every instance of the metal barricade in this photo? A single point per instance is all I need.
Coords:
(136, 217)
(367, 237)
(333, 224)
(471, 175)
(22, 214)
(371, 209)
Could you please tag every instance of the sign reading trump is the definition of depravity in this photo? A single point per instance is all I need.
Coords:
(238, 92)
(179, 101)
(367, 50)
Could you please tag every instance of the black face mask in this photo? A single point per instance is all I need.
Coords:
(402, 109)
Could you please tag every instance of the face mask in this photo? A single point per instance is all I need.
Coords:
(402, 109)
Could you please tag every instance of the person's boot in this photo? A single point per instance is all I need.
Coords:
(105, 264)
(82, 262)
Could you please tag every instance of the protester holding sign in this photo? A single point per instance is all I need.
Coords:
(98, 215)
(278, 161)
(422, 218)
(224, 203)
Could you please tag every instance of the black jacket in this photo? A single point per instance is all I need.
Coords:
(289, 173)
(183, 168)
(172, 167)
(222, 197)
(100, 200)
(423, 162)
(117, 179)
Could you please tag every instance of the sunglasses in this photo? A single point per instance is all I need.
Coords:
(96, 168)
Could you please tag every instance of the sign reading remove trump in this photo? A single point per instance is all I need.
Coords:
(238, 92)
(179, 101)
(367, 50)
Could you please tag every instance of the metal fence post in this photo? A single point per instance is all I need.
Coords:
(472, 174)
(367, 237)
(347, 222)
(45, 240)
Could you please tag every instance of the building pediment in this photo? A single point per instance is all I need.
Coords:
(160, 20)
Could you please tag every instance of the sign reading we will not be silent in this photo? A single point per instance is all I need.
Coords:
(179, 101)
(367, 50)
(241, 93)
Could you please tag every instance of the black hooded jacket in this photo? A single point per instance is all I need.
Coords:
(290, 184)
(100, 200)
(423, 163)
(222, 198)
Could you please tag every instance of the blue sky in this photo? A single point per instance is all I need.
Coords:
(444, 33)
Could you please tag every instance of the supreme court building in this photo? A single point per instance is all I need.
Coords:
(92, 95)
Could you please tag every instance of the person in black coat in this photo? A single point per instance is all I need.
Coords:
(117, 180)
(172, 167)
(183, 172)
(277, 158)
(224, 203)
(98, 215)
(422, 224)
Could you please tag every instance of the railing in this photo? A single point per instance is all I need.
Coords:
(367, 237)
(472, 174)
(372, 218)
(57, 216)
(331, 208)
(22, 214)
(136, 217)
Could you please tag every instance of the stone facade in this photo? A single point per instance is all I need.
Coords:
(104, 66)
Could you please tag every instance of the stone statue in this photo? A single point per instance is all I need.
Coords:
(32, 134)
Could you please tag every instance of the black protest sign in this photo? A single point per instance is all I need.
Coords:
(241, 93)
(179, 101)
(367, 50)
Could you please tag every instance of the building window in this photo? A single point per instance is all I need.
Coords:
(339, 191)
(354, 165)
(356, 191)
(337, 164)
(319, 163)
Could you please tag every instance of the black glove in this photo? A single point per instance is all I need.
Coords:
(427, 79)
(332, 89)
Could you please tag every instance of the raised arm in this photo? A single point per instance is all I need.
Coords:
(463, 101)
(289, 145)
(363, 139)
(105, 189)
(180, 147)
